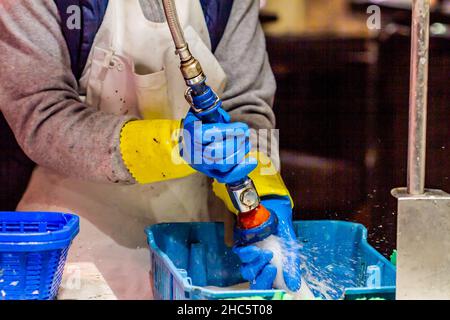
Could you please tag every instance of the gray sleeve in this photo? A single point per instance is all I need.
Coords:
(251, 86)
(39, 98)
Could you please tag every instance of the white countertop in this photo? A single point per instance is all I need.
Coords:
(83, 281)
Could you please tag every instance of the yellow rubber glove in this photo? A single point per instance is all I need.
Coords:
(150, 151)
(266, 178)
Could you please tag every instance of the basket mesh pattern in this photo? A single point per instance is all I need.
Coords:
(31, 276)
(162, 281)
(35, 271)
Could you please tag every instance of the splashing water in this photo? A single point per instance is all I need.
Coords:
(325, 271)
(282, 252)
(327, 268)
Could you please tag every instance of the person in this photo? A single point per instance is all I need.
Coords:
(99, 122)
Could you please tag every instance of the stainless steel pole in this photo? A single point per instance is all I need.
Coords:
(418, 96)
(423, 228)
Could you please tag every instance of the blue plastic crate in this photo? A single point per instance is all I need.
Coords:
(335, 252)
(33, 251)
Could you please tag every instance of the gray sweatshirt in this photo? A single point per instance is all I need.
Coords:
(39, 95)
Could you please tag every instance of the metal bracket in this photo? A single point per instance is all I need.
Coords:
(188, 97)
(423, 244)
(244, 196)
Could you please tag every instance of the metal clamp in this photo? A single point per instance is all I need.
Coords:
(244, 196)
(188, 97)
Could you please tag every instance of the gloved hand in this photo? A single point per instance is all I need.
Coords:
(256, 266)
(218, 150)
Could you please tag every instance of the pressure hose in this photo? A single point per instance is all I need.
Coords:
(174, 24)
(255, 221)
(190, 67)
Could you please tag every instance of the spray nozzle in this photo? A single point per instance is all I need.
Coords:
(254, 218)
(255, 225)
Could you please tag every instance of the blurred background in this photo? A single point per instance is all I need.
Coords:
(342, 109)
(342, 106)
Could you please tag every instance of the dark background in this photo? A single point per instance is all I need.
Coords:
(342, 109)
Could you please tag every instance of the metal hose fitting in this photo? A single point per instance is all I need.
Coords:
(190, 67)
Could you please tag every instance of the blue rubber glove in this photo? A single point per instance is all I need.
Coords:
(218, 150)
(256, 266)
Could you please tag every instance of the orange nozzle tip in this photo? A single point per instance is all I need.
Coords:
(254, 218)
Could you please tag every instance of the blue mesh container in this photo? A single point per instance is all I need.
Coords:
(33, 251)
(336, 253)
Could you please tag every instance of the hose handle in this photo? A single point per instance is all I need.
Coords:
(206, 106)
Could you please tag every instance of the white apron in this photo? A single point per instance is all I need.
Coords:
(132, 69)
